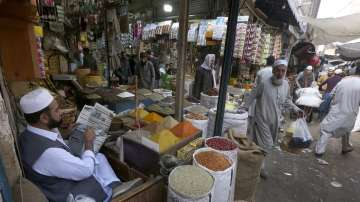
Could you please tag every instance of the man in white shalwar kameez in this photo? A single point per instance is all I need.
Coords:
(272, 96)
(49, 163)
(342, 115)
(263, 73)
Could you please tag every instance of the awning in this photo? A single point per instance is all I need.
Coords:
(350, 51)
(329, 30)
(281, 11)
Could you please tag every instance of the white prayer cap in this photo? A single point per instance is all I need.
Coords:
(310, 68)
(338, 71)
(280, 62)
(331, 68)
(36, 100)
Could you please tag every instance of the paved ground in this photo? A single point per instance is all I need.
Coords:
(300, 178)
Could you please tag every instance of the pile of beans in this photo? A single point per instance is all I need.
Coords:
(213, 160)
(191, 181)
(221, 144)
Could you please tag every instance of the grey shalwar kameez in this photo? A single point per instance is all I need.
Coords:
(343, 112)
(305, 80)
(260, 76)
(271, 100)
(146, 73)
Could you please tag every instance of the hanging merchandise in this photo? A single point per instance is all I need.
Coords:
(257, 47)
(174, 33)
(163, 27)
(252, 41)
(39, 51)
(219, 28)
(193, 32)
(60, 13)
(277, 46)
(149, 31)
(250, 37)
(137, 30)
(201, 40)
(265, 52)
(239, 40)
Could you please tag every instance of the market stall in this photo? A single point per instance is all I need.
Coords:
(80, 45)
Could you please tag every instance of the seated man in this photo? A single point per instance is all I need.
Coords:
(48, 161)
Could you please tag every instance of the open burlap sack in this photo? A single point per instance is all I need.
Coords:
(250, 158)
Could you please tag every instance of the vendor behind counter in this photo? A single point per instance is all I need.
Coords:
(205, 76)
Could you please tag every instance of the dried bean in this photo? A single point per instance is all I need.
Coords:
(221, 144)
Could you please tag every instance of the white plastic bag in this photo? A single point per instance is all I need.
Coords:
(302, 130)
(357, 123)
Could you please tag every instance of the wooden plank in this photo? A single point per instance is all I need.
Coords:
(151, 191)
(7, 149)
(18, 50)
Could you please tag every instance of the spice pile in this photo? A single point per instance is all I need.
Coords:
(191, 181)
(198, 109)
(184, 129)
(169, 122)
(153, 117)
(195, 116)
(140, 113)
(165, 139)
(221, 144)
(213, 160)
(212, 92)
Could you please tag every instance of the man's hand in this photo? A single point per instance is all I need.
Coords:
(89, 137)
(300, 114)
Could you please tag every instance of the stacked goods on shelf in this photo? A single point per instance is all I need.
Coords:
(174, 31)
(277, 45)
(193, 32)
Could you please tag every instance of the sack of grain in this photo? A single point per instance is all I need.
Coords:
(237, 120)
(220, 167)
(190, 184)
(208, 101)
(199, 121)
(249, 161)
(227, 147)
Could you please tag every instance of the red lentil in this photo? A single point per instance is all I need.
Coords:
(213, 160)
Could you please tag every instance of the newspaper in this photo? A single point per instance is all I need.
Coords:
(99, 118)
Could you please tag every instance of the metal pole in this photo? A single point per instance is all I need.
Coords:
(180, 74)
(226, 67)
(107, 49)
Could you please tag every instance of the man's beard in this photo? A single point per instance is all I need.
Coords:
(276, 82)
(54, 124)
